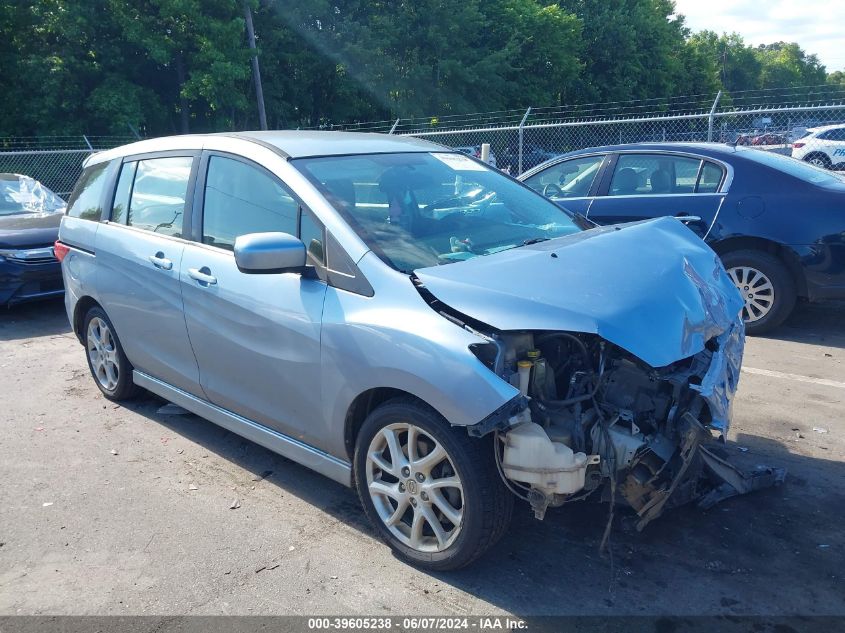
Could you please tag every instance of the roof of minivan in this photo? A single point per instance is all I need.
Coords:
(301, 143)
(291, 143)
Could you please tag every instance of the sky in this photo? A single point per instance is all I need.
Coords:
(818, 26)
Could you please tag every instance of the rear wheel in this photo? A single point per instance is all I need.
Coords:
(766, 287)
(431, 491)
(111, 370)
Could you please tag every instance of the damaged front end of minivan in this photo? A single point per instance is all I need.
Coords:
(600, 412)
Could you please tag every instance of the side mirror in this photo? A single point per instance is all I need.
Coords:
(266, 253)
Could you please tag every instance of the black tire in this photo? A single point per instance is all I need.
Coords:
(819, 159)
(487, 505)
(124, 388)
(782, 282)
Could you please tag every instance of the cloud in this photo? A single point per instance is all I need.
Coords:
(816, 25)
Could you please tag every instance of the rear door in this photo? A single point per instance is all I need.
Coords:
(256, 336)
(139, 250)
(644, 185)
(571, 183)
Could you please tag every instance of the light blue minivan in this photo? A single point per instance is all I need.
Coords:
(404, 319)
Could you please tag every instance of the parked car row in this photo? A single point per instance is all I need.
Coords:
(422, 327)
(767, 138)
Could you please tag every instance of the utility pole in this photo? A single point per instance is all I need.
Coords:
(256, 71)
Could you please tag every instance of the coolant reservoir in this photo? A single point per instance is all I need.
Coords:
(532, 458)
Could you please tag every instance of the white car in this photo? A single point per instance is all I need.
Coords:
(822, 146)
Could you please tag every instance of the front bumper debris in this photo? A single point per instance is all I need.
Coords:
(699, 474)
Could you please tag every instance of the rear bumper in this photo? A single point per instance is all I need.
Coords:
(21, 282)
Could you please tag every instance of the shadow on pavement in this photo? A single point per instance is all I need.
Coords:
(777, 551)
(820, 323)
(784, 543)
(29, 320)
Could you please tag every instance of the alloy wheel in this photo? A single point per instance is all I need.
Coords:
(756, 289)
(102, 352)
(414, 487)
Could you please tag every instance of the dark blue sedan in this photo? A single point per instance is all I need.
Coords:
(777, 223)
(29, 225)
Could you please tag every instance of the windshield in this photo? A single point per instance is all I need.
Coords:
(416, 210)
(794, 167)
(22, 194)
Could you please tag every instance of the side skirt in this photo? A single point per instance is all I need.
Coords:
(293, 449)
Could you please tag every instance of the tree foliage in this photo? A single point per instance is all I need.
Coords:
(170, 66)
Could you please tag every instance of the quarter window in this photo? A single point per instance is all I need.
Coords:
(158, 197)
(242, 199)
(311, 233)
(86, 200)
(710, 179)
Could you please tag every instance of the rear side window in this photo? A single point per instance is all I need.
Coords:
(837, 134)
(157, 202)
(648, 174)
(242, 199)
(86, 200)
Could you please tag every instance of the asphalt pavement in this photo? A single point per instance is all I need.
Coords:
(109, 509)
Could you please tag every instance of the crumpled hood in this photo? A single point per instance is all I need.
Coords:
(653, 288)
(23, 230)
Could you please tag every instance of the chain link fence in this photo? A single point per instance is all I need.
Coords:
(807, 123)
(54, 161)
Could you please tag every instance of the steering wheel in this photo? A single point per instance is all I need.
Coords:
(552, 190)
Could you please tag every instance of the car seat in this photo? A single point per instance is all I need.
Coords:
(625, 182)
(661, 181)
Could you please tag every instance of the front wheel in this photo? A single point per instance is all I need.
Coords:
(819, 160)
(431, 491)
(766, 286)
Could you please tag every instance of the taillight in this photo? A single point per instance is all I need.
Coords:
(60, 250)
(798, 145)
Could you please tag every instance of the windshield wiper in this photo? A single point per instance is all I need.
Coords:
(534, 240)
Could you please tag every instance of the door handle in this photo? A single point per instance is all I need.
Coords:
(683, 217)
(160, 261)
(202, 275)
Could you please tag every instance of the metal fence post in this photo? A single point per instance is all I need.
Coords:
(711, 115)
(521, 130)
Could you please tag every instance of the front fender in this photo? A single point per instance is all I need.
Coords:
(395, 340)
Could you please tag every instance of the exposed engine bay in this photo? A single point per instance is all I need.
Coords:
(592, 419)
(624, 389)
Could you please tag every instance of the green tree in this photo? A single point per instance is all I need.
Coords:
(785, 64)
(191, 52)
(632, 49)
